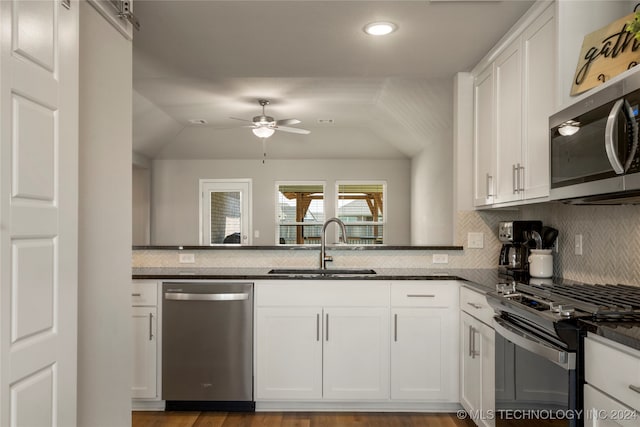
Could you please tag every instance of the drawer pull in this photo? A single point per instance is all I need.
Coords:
(474, 305)
(136, 295)
(634, 388)
(420, 296)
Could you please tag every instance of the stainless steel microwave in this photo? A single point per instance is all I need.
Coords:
(594, 147)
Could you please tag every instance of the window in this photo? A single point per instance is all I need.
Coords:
(299, 212)
(225, 212)
(361, 206)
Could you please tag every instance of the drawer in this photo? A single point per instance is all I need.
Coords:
(144, 293)
(443, 293)
(601, 410)
(475, 304)
(614, 369)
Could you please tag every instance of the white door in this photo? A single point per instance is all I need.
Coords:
(289, 358)
(225, 212)
(356, 353)
(38, 213)
(144, 353)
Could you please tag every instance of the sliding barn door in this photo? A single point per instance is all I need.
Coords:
(38, 212)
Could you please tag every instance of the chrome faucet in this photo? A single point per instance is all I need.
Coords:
(323, 256)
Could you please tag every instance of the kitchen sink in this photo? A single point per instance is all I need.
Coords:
(323, 272)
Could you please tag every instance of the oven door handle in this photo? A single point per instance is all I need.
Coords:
(521, 338)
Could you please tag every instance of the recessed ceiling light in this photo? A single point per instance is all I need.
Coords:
(380, 28)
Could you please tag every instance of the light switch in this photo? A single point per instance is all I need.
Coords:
(440, 259)
(475, 240)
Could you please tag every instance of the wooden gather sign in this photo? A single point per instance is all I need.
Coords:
(605, 54)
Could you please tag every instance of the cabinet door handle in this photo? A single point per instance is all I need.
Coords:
(489, 185)
(471, 342)
(327, 329)
(318, 327)
(150, 326)
(474, 305)
(521, 177)
(136, 294)
(514, 179)
(634, 388)
(420, 296)
(395, 327)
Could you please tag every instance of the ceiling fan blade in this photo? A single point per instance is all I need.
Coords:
(292, 130)
(287, 122)
(242, 120)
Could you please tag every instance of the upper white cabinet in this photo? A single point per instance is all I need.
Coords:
(484, 147)
(514, 96)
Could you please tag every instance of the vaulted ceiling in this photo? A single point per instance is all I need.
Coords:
(384, 97)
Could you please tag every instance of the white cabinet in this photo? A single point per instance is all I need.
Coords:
(289, 343)
(484, 151)
(356, 353)
(145, 337)
(423, 344)
(612, 392)
(322, 340)
(514, 97)
(477, 365)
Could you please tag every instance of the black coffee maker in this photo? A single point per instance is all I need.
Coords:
(514, 254)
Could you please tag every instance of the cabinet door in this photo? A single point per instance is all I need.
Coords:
(483, 139)
(470, 367)
(487, 374)
(289, 353)
(422, 355)
(356, 353)
(600, 410)
(144, 353)
(508, 75)
(539, 94)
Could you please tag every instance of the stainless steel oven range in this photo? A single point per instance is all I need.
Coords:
(539, 346)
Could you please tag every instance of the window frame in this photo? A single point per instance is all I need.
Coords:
(278, 224)
(385, 202)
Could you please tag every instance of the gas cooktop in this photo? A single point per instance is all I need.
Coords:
(602, 302)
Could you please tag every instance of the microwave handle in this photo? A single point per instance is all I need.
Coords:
(610, 139)
(634, 134)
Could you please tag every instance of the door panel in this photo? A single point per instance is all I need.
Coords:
(38, 212)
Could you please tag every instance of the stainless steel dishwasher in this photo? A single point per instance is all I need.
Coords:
(207, 346)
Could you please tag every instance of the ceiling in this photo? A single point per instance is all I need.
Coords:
(388, 97)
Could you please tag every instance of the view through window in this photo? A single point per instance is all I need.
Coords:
(361, 207)
(300, 213)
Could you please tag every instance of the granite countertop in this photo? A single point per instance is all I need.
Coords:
(625, 333)
(481, 279)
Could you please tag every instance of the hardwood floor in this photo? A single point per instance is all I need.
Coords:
(296, 419)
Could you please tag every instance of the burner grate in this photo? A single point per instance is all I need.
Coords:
(601, 300)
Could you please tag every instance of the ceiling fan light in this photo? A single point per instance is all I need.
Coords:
(263, 132)
(380, 28)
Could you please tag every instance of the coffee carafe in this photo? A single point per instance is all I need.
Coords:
(514, 254)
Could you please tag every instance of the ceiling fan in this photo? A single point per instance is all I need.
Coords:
(264, 126)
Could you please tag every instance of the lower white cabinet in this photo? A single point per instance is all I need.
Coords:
(144, 353)
(612, 392)
(338, 350)
(289, 344)
(144, 316)
(424, 348)
(477, 366)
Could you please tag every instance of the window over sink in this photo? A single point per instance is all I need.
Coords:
(300, 212)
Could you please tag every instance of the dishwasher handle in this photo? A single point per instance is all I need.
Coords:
(182, 296)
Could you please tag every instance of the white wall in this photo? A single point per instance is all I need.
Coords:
(104, 277)
(175, 192)
(141, 221)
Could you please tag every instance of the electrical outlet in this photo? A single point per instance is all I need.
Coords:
(577, 249)
(440, 259)
(256, 234)
(187, 258)
(475, 240)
